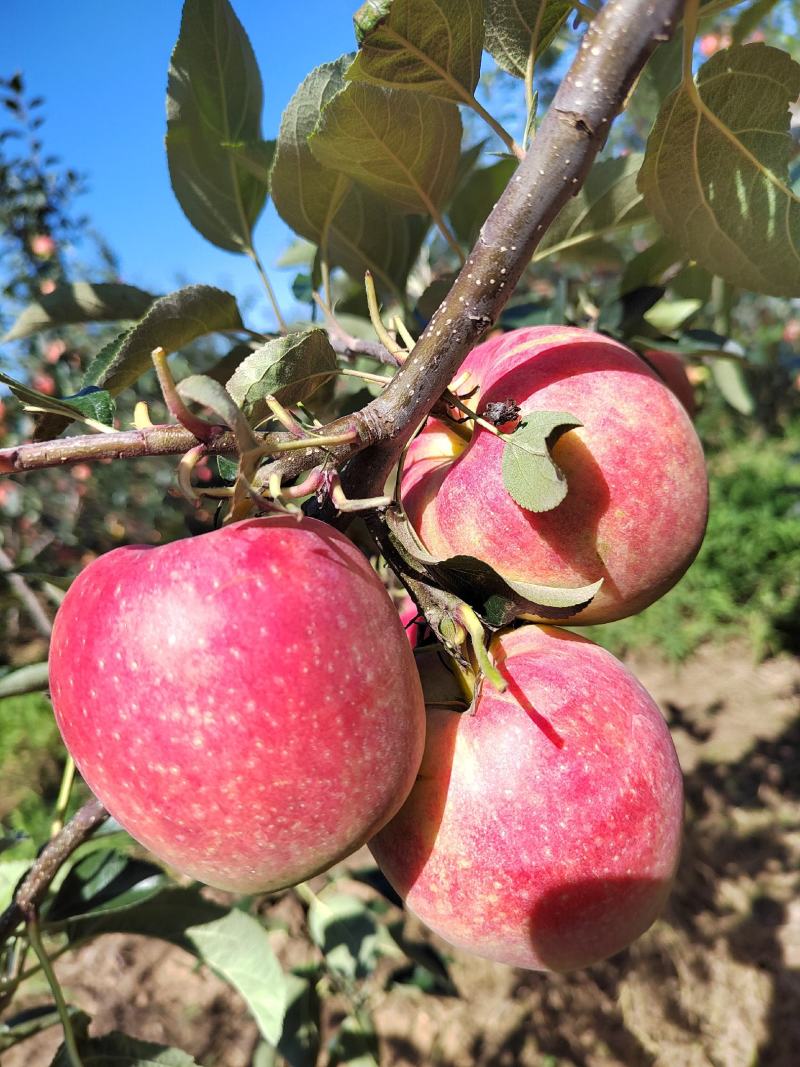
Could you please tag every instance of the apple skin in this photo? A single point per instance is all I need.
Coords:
(227, 700)
(637, 503)
(545, 824)
(673, 370)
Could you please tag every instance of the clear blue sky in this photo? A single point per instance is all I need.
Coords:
(102, 67)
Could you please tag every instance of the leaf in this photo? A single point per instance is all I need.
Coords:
(355, 1044)
(289, 368)
(351, 225)
(34, 1020)
(299, 1043)
(750, 18)
(433, 46)
(477, 196)
(345, 930)
(95, 404)
(119, 1050)
(104, 878)
(256, 157)
(529, 472)
(667, 316)
(511, 26)
(403, 147)
(237, 948)
(730, 381)
(10, 873)
(608, 203)
(716, 169)
(165, 914)
(425, 956)
(172, 322)
(214, 102)
(649, 266)
(81, 302)
(497, 599)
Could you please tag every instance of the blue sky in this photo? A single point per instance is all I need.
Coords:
(102, 67)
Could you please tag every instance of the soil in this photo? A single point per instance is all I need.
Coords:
(715, 983)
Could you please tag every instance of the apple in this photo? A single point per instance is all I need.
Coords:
(544, 827)
(227, 700)
(637, 501)
(673, 370)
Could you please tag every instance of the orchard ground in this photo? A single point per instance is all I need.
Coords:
(715, 982)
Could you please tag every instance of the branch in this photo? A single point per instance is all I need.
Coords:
(26, 596)
(36, 882)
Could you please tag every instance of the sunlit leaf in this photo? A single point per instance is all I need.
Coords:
(404, 147)
(530, 474)
(290, 368)
(214, 101)
(237, 948)
(608, 203)
(715, 173)
(512, 26)
(81, 302)
(91, 403)
(430, 45)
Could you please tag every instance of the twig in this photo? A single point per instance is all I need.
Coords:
(34, 886)
(26, 595)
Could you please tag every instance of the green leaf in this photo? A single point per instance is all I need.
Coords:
(355, 1044)
(34, 1020)
(716, 169)
(237, 948)
(299, 1043)
(423, 955)
(512, 25)
(345, 930)
(228, 469)
(289, 368)
(497, 599)
(81, 302)
(608, 203)
(102, 880)
(256, 157)
(529, 472)
(172, 322)
(10, 873)
(649, 266)
(92, 403)
(403, 147)
(729, 379)
(214, 102)
(667, 316)
(166, 914)
(433, 46)
(477, 196)
(351, 225)
(119, 1050)
(750, 18)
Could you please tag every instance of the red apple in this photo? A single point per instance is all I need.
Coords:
(226, 699)
(544, 827)
(636, 506)
(673, 370)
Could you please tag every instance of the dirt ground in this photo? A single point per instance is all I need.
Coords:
(715, 983)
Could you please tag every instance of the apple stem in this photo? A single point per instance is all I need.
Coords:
(202, 430)
(474, 627)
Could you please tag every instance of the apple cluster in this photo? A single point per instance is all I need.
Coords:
(246, 702)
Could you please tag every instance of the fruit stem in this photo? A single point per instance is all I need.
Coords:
(55, 988)
(67, 778)
(474, 627)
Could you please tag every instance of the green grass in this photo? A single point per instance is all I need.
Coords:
(745, 581)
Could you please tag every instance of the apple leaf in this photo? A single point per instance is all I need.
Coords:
(354, 228)
(289, 368)
(165, 914)
(716, 169)
(345, 930)
(529, 473)
(433, 46)
(497, 599)
(402, 146)
(729, 379)
(512, 26)
(119, 1050)
(476, 197)
(299, 1043)
(668, 316)
(172, 322)
(91, 403)
(649, 266)
(354, 1044)
(10, 873)
(214, 102)
(103, 880)
(608, 203)
(33, 1020)
(256, 157)
(237, 948)
(81, 302)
